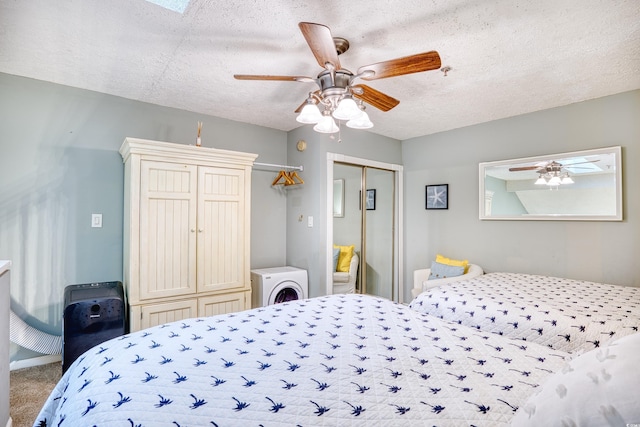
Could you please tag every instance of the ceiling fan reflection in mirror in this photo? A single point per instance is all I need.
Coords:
(553, 173)
(337, 90)
(551, 166)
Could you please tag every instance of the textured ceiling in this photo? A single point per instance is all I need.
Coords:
(508, 57)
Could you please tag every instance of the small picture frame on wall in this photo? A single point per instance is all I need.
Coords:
(370, 200)
(437, 196)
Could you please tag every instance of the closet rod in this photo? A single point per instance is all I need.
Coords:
(296, 168)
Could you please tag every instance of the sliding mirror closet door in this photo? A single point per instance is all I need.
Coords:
(378, 233)
(347, 220)
(364, 217)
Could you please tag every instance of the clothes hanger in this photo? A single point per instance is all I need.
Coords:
(282, 175)
(294, 176)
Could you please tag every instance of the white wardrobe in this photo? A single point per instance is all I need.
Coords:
(186, 231)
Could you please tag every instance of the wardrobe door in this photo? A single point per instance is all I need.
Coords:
(222, 229)
(148, 315)
(168, 193)
(223, 303)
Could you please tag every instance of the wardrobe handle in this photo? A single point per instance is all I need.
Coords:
(193, 230)
(200, 230)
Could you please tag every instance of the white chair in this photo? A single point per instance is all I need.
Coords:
(345, 282)
(421, 280)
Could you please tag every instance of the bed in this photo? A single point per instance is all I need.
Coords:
(347, 360)
(564, 314)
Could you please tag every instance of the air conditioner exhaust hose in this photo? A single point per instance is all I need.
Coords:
(31, 338)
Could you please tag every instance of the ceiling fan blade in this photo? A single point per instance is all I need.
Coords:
(580, 163)
(549, 166)
(375, 97)
(321, 43)
(275, 78)
(299, 109)
(397, 67)
(523, 168)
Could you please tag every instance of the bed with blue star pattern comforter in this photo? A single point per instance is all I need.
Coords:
(564, 314)
(340, 360)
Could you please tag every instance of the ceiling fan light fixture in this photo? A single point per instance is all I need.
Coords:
(555, 180)
(326, 125)
(310, 114)
(347, 109)
(566, 179)
(360, 122)
(541, 180)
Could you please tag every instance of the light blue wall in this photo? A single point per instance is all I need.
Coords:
(59, 163)
(598, 251)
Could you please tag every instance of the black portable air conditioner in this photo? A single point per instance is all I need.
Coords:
(93, 314)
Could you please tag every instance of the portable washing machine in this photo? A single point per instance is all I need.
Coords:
(278, 284)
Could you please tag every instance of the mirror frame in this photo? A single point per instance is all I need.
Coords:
(338, 198)
(617, 153)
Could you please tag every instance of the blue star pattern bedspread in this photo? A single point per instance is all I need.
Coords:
(341, 360)
(564, 314)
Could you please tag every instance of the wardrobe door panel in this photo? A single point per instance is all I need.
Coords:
(221, 229)
(148, 315)
(167, 229)
(224, 303)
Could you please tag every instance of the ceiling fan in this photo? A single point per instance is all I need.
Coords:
(551, 173)
(550, 167)
(336, 84)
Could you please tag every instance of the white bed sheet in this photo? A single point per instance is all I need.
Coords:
(341, 360)
(565, 314)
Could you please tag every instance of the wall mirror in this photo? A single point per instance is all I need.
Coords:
(338, 198)
(582, 185)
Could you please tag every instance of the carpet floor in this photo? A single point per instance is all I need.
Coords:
(29, 389)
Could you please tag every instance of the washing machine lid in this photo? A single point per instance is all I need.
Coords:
(276, 270)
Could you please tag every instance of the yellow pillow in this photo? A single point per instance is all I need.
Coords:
(344, 259)
(456, 263)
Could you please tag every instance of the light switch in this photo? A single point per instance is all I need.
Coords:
(96, 220)
(309, 221)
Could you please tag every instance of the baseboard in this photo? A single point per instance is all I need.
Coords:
(34, 361)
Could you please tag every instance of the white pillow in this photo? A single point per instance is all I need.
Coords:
(597, 388)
